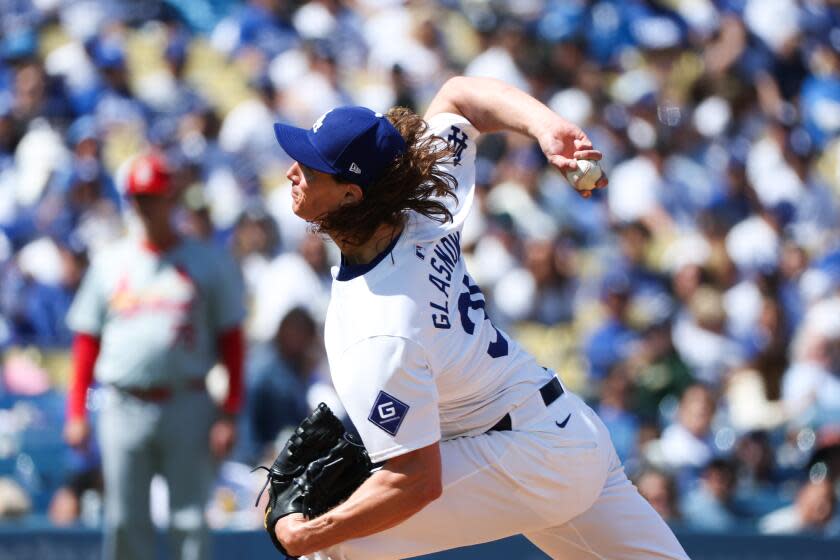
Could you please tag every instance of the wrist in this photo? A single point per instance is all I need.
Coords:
(290, 532)
(542, 127)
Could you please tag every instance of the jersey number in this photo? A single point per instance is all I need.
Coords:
(495, 349)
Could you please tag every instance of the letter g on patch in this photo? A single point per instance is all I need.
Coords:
(388, 413)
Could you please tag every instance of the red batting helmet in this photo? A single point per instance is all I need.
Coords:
(148, 175)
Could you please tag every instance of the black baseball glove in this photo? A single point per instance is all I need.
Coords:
(318, 468)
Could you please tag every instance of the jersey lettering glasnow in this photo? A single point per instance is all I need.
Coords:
(413, 355)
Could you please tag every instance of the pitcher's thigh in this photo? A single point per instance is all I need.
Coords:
(621, 525)
(480, 503)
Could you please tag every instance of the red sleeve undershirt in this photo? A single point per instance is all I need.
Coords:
(85, 352)
(232, 354)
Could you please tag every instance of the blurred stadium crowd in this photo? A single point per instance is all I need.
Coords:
(695, 302)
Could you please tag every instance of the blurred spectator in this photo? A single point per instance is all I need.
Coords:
(34, 95)
(313, 249)
(821, 92)
(243, 131)
(637, 186)
(14, 503)
(827, 453)
(792, 268)
(749, 404)
(634, 240)
(40, 302)
(660, 491)
(755, 243)
(255, 242)
(815, 221)
(115, 106)
(495, 249)
(657, 370)
(78, 500)
(196, 221)
(8, 134)
(87, 205)
(758, 478)
(518, 194)
(711, 506)
(813, 512)
(544, 290)
(498, 59)
(811, 386)
(277, 383)
(753, 391)
(688, 441)
(288, 282)
(701, 339)
(616, 411)
(261, 28)
(615, 340)
(173, 95)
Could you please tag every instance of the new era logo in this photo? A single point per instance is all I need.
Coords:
(388, 413)
(355, 169)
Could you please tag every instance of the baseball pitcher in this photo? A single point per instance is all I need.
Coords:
(475, 441)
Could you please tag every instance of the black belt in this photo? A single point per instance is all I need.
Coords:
(549, 392)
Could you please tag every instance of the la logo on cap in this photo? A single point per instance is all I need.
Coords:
(320, 121)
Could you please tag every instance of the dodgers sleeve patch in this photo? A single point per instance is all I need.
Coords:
(388, 413)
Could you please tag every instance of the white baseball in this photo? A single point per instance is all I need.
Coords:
(585, 176)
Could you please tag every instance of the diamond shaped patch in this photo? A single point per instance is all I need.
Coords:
(388, 412)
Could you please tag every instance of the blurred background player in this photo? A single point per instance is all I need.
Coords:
(152, 317)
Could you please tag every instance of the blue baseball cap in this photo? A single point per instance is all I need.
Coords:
(353, 143)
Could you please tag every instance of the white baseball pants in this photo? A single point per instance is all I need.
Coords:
(562, 487)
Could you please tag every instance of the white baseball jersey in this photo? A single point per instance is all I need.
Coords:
(415, 360)
(158, 315)
(413, 355)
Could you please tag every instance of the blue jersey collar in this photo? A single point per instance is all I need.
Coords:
(350, 271)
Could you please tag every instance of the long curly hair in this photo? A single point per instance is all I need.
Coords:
(413, 182)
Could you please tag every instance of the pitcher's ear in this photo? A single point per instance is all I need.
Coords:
(353, 193)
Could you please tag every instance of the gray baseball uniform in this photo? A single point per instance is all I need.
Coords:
(158, 316)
